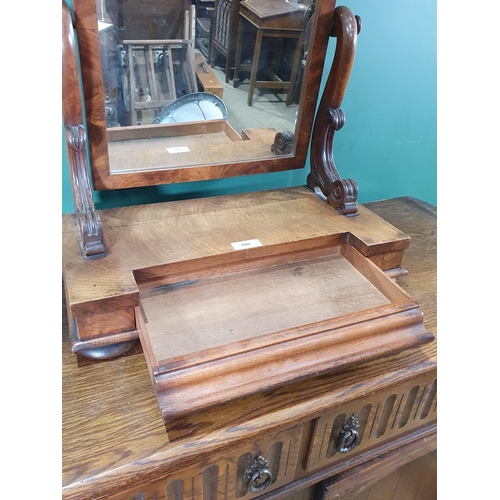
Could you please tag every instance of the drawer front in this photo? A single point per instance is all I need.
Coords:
(360, 425)
(248, 472)
(409, 472)
(305, 494)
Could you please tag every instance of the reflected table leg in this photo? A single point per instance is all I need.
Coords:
(295, 69)
(237, 62)
(255, 66)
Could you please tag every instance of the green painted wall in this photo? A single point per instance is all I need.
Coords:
(388, 143)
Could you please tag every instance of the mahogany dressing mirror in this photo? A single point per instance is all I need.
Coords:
(177, 91)
(228, 296)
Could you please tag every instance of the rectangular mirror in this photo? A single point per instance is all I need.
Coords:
(180, 90)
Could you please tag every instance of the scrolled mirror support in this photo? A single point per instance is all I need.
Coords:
(87, 219)
(283, 143)
(340, 193)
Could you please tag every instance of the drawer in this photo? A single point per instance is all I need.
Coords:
(369, 422)
(247, 472)
(394, 477)
(408, 472)
(212, 330)
(304, 494)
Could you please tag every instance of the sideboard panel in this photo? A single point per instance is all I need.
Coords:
(228, 478)
(381, 417)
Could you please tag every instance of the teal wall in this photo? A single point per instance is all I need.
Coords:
(388, 143)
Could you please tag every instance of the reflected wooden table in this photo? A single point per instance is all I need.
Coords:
(272, 19)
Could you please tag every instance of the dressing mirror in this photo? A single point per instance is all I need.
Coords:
(181, 90)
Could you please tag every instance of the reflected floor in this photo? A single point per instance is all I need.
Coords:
(268, 108)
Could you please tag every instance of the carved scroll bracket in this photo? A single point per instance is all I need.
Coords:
(87, 219)
(341, 194)
(283, 143)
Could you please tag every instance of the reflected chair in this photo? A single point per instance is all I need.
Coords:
(224, 33)
(152, 77)
(204, 13)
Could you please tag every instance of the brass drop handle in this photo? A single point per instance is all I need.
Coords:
(258, 475)
(348, 437)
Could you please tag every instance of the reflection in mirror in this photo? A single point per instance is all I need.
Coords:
(190, 82)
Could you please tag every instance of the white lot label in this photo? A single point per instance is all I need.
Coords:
(241, 245)
(178, 149)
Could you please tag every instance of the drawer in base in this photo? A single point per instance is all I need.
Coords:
(219, 329)
(245, 473)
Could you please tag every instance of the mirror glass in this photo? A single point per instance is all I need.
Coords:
(190, 82)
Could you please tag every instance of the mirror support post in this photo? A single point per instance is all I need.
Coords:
(87, 219)
(341, 194)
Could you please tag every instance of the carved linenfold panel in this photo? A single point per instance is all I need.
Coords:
(377, 419)
(245, 473)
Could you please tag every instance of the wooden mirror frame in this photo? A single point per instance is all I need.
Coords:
(85, 24)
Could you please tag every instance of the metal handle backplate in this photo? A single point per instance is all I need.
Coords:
(348, 437)
(258, 475)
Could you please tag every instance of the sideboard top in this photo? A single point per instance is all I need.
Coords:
(113, 428)
(142, 237)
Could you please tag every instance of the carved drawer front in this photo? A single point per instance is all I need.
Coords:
(360, 425)
(248, 472)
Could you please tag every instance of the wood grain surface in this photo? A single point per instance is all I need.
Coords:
(143, 238)
(113, 435)
(207, 313)
(416, 480)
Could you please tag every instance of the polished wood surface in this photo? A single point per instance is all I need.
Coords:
(114, 437)
(317, 311)
(387, 478)
(416, 480)
(274, 11)
(88, 220)
(311, 298)
(140, 148)
(340, 193)
(143, 241)
(71, 101)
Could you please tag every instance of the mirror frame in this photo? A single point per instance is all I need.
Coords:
(85, 23)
